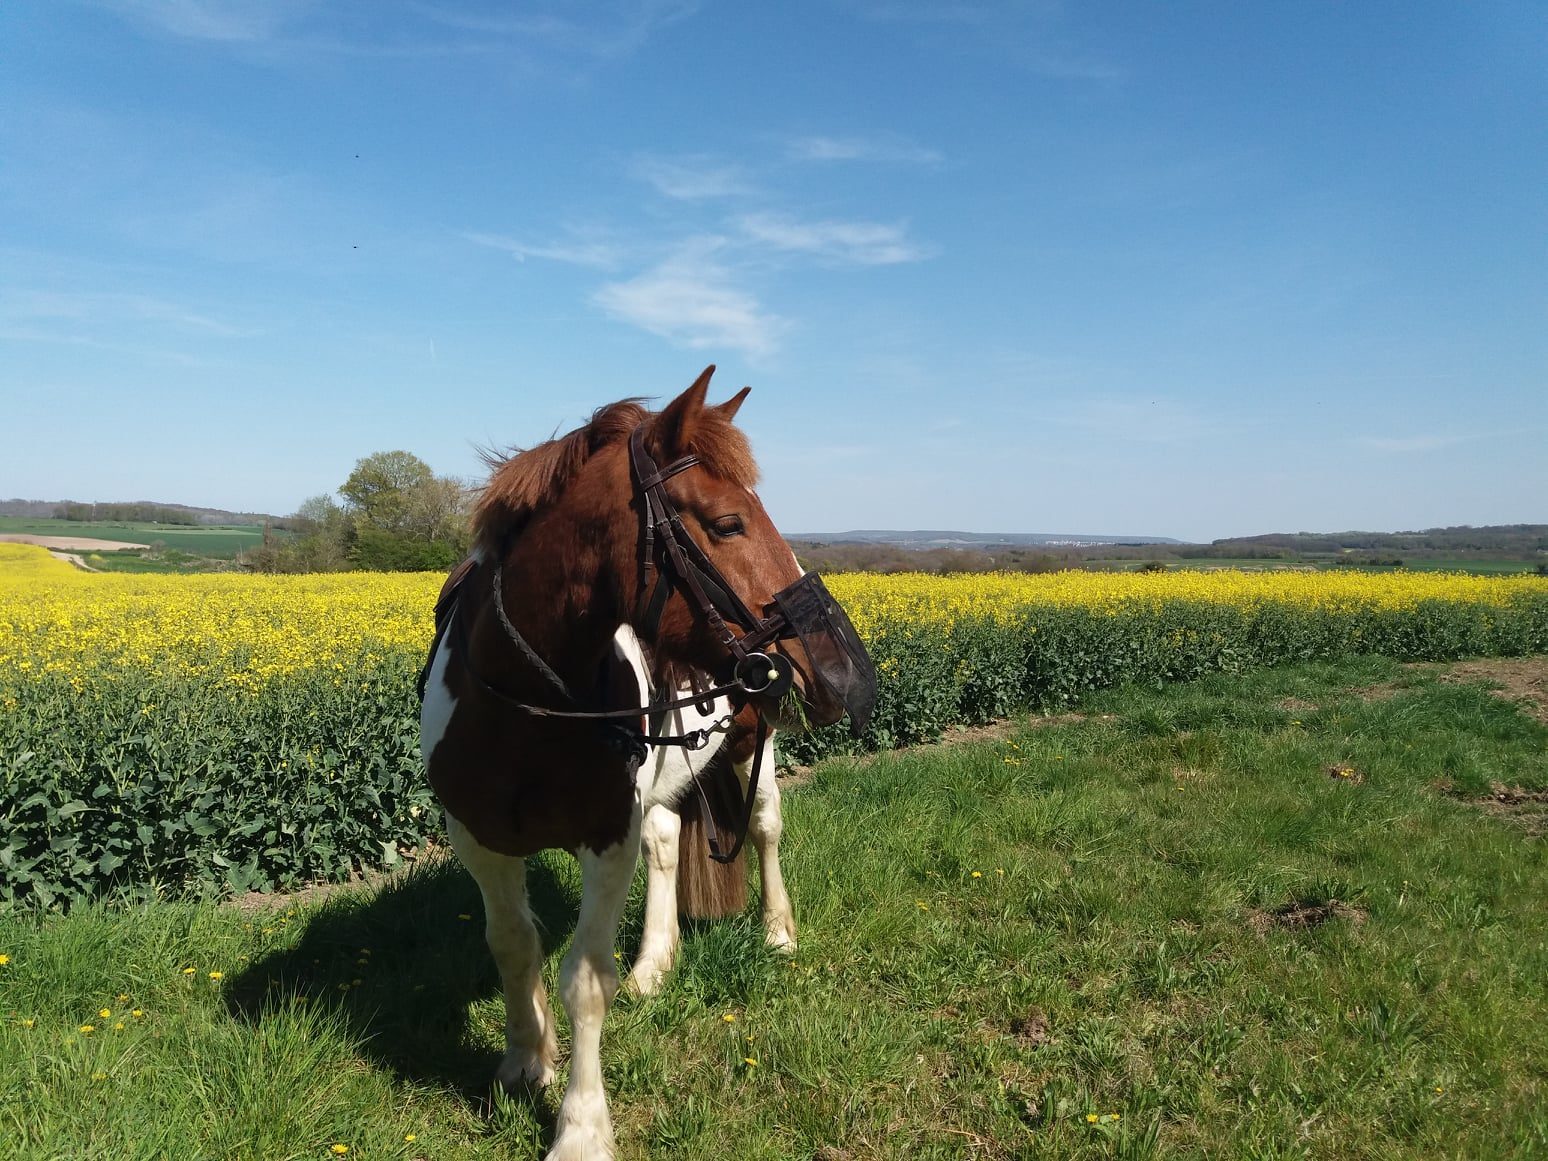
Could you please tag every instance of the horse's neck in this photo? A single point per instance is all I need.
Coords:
(561, 607)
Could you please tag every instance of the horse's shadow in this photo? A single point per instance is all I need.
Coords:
(400, 966)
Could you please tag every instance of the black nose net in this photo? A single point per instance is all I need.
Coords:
(838, 658)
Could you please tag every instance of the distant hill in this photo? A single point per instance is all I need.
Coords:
(980, 540)
(49, 509)
(1505, 538)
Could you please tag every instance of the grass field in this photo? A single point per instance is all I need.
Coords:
(1257, 916)
(219, 541)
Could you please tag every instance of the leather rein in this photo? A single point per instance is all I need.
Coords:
(712, 599)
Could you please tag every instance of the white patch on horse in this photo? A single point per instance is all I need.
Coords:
(439, 705)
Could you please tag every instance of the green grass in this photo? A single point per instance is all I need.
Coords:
(207, 540)
(1197, 928)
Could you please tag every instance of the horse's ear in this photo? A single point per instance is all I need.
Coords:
(730, 407)
(676, 425)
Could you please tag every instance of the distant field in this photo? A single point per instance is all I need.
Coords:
(210, 540)
(1477, 566)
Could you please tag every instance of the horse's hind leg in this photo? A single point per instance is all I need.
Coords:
(658, 944)
(588, 981)
(764, 829)
(530, 1046)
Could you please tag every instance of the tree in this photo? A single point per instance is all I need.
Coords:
(379, 489)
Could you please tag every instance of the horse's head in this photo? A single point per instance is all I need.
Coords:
(738, 565)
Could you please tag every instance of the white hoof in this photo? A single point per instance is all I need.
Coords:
(647, 977)
(780, 935)
(524, 1068)
(582, 1144)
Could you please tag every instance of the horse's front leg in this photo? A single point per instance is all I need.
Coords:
(530, 1047)
(588, 981)
(764, 829)
(658, 944)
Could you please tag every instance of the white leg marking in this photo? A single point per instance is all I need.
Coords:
(765, 829)
(658, 945)
(530, 1047)
(588, 981)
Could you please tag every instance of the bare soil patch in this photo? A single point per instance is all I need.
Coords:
(1523, 680)
(1303, 914)
(69, 543)
(255, 901)
(1518, 806)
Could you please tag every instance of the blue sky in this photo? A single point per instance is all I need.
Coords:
(1193, 270)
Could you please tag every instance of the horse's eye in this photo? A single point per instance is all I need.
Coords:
(727, 526)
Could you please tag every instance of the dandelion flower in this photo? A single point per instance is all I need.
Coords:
(1092, 1118)
(338, 1149)
(410, 1138)
(978, 874)
(749, 1062)
(99, 1076)
(88, 1029)
(122, 997)
(921, 904)
(4, 959)
(137, 1013)
(217, 975)
(104, 1013)
(118, 1027)
(29, 1023)
(188, 971)
(729, 1017)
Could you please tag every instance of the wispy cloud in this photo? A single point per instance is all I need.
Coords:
(690, 299)
(594, 254)
(862, 243)
(694, 178)
(878, 149)
(46, 307)
(595, 30)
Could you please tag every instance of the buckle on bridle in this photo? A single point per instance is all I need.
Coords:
(767, 674)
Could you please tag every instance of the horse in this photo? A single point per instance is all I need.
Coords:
(601, 587)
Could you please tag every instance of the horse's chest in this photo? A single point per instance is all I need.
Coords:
(521, 790)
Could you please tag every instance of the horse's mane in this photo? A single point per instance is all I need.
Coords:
(524, 482)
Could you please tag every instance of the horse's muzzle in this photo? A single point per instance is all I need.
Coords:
(835, 654)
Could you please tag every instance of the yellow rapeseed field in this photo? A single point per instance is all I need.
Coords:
(54, 618)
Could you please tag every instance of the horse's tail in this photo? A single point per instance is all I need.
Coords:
(707, 889)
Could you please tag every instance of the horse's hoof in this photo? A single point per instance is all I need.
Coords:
(577, 1144)
(646, 979)
(525, 1070)
(781, 937)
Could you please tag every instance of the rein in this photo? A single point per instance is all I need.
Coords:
(753, 671)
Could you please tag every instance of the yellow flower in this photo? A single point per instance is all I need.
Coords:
(118, 1027)
(188, 971)
(88, 1029)
(217, 975)
(104, 1013)
(921, 904)
(338, 1149)
(122, 997)
(1091, 1118)
(137, 1013)
(99, 1076)
(29, 1023)
(410, 1137)
(729, 1017)
(4, 959)
(978, 874)
(749, 1062)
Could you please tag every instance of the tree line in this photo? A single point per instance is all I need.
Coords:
(393, 514)
(136, 513)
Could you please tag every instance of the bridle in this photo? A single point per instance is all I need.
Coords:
(711, 598)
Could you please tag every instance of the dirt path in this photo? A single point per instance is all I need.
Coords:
(74, 558)
(69, 543)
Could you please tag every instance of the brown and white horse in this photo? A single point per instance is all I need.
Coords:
(563, 605)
